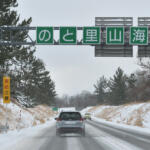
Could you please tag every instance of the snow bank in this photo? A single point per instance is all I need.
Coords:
(123, 127)
(130, 114)
(20, 117)
(12, 138)
(85, 110)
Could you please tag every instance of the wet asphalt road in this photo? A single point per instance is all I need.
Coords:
(98, 137)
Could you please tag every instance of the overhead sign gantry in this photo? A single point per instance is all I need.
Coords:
(111, 36)
(144, 50)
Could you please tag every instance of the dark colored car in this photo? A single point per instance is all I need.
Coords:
(70, 122)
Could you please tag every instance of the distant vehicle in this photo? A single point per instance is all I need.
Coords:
(70, 122)
(67, 109)
(87, 116)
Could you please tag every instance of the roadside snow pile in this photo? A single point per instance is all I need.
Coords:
(85, 110)
(16, 140)
(130, 114)
(19, 117)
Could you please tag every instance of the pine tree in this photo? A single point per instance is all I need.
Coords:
(131, 81)
(43, 88)
(118, 88)
(100, 89)
(131, 84)
(28, 74)
(9, 17)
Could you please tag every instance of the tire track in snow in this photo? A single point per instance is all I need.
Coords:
(108, 140)
(83, 143)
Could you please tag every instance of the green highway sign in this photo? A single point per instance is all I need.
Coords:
(44, 35)
(110, 36)
(91, 35)
(115, 35)
(139, 35)
(67, 35)
(55, 108)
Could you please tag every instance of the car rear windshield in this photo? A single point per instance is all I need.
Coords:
(70, 116)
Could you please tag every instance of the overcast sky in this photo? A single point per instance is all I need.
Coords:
(74, 68)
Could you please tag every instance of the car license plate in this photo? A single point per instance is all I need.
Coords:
(69, 123)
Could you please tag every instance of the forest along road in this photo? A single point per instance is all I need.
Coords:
(98, 137)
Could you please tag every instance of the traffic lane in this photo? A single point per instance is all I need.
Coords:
(53, 142)
(136, 140)
(70, 142)
(34, 141)
(44, 140)
(112, 142)
(95, 139)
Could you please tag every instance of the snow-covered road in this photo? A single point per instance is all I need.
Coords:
(98, 137)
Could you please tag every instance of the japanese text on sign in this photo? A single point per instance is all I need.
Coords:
(92, 35)
(6, 90)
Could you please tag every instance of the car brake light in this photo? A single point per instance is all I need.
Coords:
(81, 119)
(58, 119)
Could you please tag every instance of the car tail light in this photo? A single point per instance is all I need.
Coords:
(81, 119)
(58, 119)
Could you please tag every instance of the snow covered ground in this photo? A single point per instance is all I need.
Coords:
(16, 137)
(19, 117)
(42, 137)
(100, 134)
(137, 114)
(128, 128)
(86, 110)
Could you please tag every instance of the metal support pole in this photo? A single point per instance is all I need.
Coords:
(6, 123)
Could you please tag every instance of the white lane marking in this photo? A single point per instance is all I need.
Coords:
(112, 142)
